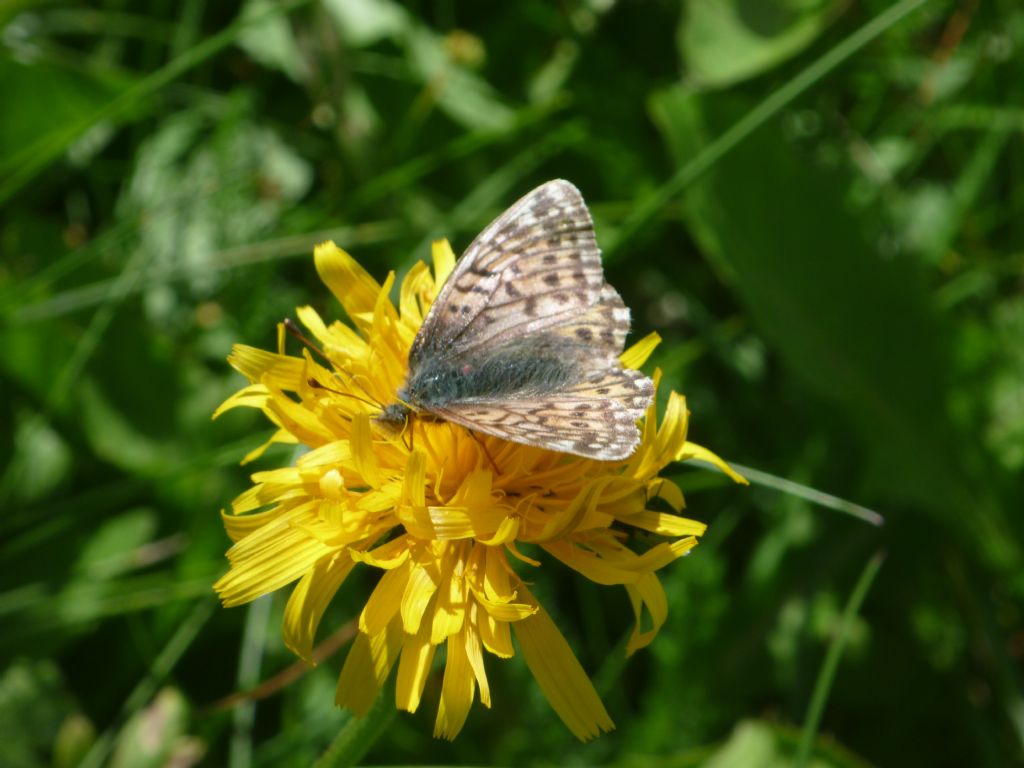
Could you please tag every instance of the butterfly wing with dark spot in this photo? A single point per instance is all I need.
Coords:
(601, 330)
(595, 418)
(534, 267)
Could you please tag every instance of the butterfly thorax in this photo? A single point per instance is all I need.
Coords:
(510, 370)
(544, 365)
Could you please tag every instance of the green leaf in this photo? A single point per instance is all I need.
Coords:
(855, 323)
(726, 41)
(70, 93)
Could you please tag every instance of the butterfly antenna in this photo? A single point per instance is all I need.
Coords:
(295, 331)
(317, 385)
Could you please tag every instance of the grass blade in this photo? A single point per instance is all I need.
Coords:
(835, 652)
(805, 492)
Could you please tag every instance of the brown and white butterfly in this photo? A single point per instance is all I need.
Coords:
(523, 340)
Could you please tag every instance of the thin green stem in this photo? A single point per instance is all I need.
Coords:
(812, 495)
(827, 674)
(359, 734)
(649, 208)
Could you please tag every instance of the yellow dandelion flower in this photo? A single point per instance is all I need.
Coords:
(440, 512)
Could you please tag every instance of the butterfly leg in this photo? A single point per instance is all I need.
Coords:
(483, 447)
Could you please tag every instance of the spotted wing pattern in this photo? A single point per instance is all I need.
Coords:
(602, 329)
(595, 418)
(536, 266)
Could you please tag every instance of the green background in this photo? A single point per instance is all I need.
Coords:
(817, 204)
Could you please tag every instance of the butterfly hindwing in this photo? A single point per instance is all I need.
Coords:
(536, 266)
(595, 418)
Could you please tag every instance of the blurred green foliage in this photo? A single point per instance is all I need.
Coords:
(815, 203)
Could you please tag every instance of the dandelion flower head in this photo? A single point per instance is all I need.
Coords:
(455, 523)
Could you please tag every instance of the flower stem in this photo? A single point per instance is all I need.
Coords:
(359, 734)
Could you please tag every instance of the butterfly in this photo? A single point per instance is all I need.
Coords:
(523, 340)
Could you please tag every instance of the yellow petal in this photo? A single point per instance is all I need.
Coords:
(450, 608)
(604, 563)
(637, 354)
(497, 584)
(475, 656)
(310, 318)
(560, 676)
(507, 612)
(667, 491)
(414, 667)
(414, 485)
(664, 524)
(240, 526)
(252, 396)
(389, 555)
(418, 596)
(349, 282)
(694, 451)
(367, 667)
(456, 691)
(258, 365)
(331, 454)
(297, 419)
(505, 532)
(332, 484)
(412, 288)
(280, 436)
(385, 600)
(444, 261)
(363, 454)
(309, 600)
(583, 504)
(647, 592)
(496, 636)
(269, 558)
(659, 556)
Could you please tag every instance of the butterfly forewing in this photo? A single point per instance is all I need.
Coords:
(537, 265)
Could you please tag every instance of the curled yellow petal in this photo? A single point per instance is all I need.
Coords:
(694, 451)
(648, 593)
